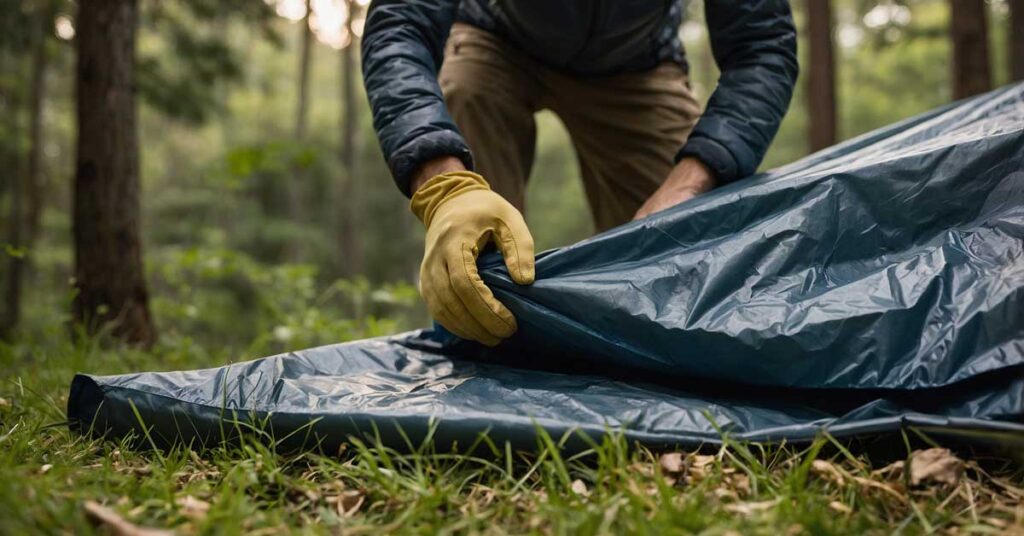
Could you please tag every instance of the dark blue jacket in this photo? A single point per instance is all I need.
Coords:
(753, 41)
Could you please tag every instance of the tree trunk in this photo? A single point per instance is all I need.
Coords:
(969, 29)
(348, 248)
(34, 184)
(1016, 39)
(26, 191)
(296, 189)
(305, 55)
(109, 278)
(16, 261)
(821, 77)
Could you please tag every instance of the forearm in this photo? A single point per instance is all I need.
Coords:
(754, 44)
(402, 51)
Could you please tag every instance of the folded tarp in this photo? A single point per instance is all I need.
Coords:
(871, 286)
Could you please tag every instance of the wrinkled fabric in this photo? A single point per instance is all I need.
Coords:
(753, 43)
(871, 287)
(892, 261)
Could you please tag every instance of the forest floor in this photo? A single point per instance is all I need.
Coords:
(55, 481)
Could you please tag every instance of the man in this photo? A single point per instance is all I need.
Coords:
(454, 87)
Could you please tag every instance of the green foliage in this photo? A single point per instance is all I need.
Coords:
(895, 73)
(180, 71)
(226, 298)
(14, 251)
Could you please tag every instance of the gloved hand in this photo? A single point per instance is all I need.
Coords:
(462, 215)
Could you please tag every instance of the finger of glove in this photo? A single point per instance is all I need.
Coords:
(516, 245)
(467, 321)
(438, 310)
(476, 297)
(451, 314)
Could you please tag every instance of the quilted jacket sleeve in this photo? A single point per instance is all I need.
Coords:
(754, 44)
(403, 45)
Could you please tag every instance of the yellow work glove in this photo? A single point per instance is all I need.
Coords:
(462, 215)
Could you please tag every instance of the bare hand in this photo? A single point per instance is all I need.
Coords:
(688, 179)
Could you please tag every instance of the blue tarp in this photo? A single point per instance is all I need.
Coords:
(871, 286)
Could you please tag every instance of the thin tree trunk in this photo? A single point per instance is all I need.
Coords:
(26, 190)
(1016, 39)
(305, 55)
(16, 262)
(296, 189)
(35, 185)
(821, 77)
(349, 249)
(969, 29)
(109, 277)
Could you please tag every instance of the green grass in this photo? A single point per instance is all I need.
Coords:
(47, 474)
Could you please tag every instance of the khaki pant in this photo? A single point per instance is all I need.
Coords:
(625, 128)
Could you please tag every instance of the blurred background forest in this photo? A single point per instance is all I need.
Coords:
(268, 217)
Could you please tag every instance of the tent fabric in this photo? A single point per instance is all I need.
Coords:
(872, 286)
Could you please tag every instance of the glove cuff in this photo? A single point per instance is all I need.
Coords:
(441, 188)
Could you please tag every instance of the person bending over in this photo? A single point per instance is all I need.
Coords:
(454, 86)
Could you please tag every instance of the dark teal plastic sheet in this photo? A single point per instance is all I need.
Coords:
(869, 287)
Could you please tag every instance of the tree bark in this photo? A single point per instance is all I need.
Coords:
(821, 77)
(305, 54)
(26, 191)
(16, 262)
(348, 248)
(1016, 39)
(972, 73)
(296, 190)
(35, 185)
(109, 277)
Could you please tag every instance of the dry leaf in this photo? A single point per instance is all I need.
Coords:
(892, 470)
(311, 495)
(644, 469)
(726, 493)
(868, 483)
(828, 471)
(840, 507)
(349, 502)
(747, 508)
(580, 488)
(193, 507)
(935, 466)
(697, 469)
(740, 483)
(672, 463)
(479, 496)
(113, 522)
(45, 468)
(4, 403)
(701, 460)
